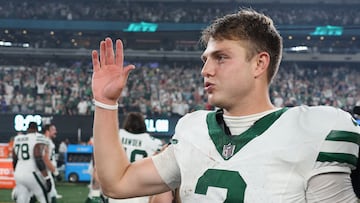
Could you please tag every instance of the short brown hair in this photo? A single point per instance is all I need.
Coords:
(134, 123)
(256, 29)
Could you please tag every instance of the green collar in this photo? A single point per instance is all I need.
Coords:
(226, 145)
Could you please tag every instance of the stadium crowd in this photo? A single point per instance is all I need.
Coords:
(284, 14)
(176, 11)
(166, 89)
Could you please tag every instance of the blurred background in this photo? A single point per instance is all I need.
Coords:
(45, 58)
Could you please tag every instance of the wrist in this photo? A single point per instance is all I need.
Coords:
(56, 172)
(47, 177)
(105, 106)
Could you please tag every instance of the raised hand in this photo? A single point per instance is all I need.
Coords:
(109, 76)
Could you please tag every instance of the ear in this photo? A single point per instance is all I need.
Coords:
(262, 64)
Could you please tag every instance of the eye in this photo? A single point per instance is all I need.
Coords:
(220, 58)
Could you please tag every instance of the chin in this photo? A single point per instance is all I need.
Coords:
(212, 101)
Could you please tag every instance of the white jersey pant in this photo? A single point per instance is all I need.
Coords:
(29, 184)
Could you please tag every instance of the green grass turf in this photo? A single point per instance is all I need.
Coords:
(71, 192)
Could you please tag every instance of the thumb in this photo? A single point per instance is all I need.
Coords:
(127, 70)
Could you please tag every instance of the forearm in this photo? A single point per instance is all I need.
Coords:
(47, 161)
(49, 165)
(111, 161)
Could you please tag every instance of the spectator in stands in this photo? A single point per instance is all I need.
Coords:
(178, 12)
(40, 86)
(82, 107)
(3, 105)
(301, 79)
(247, 146)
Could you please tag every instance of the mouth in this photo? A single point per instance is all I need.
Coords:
(208, 87)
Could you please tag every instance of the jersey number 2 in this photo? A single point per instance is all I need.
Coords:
(230, 180)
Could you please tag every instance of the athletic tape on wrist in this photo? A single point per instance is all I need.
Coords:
(106, 106)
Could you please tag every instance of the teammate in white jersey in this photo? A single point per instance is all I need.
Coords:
(30, 174)
(50, 131)
(138, 144)
(248, 151)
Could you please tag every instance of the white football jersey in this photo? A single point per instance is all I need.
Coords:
(270, 162)
(139, 146)
(29, 180)
(24, 150)
(52, 152)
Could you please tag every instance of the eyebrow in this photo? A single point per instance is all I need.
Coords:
(214, 53)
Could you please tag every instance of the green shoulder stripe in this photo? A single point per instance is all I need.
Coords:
(346, 136)
(337, 157)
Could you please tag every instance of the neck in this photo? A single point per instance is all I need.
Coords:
(250, 108)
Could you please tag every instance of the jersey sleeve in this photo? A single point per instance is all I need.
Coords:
(167, 167)
(41, 139)
(340, 189)
(340, 149)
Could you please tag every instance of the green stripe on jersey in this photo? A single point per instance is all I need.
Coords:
(346, 136)
(337, 157)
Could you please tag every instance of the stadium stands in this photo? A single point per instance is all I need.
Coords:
(81, 24)
(171, 88)
(50, 68)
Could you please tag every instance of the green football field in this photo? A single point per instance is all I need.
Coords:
(71, 192)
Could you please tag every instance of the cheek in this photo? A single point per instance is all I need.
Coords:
(239, 80)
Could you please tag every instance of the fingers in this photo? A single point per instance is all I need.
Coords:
(119, 53)
(109, 51)
(95, 60)
(102, 54)
(107, 56)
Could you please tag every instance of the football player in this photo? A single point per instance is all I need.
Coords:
(248, 150)
(31, 175)
(50, 132)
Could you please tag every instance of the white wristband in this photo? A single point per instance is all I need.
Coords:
(47, 177)
(106, 106)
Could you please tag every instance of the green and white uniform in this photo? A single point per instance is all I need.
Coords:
(52, 154)
(27, 176)
(271, 162)
(139, 146)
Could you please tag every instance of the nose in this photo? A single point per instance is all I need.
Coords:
(207, 69)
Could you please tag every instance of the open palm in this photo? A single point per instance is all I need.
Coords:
(109, 76)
